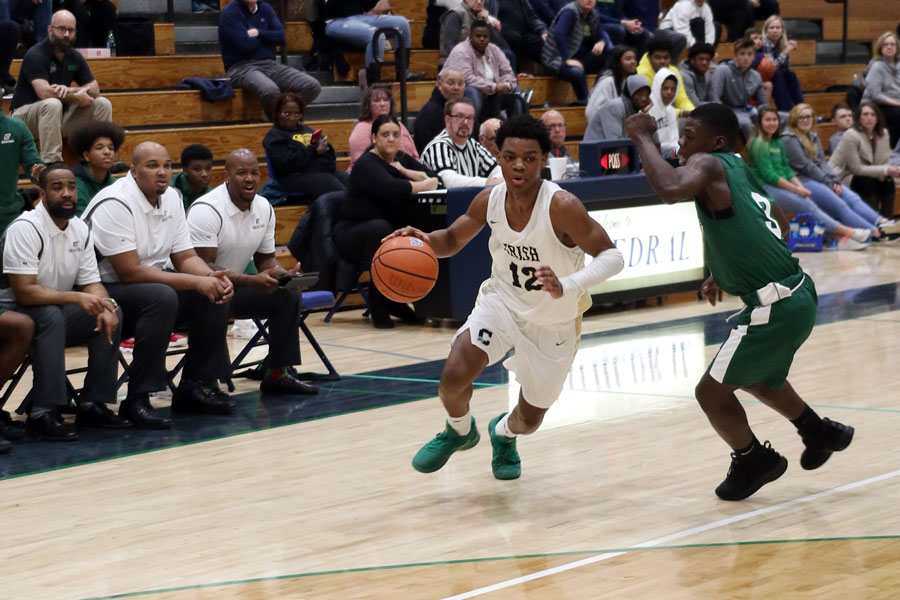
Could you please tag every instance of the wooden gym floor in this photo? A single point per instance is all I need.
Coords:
(317, 499)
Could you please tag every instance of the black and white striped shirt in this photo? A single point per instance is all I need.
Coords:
(468, 163)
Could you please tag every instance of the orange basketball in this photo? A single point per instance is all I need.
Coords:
(766, 68)
(404, 269)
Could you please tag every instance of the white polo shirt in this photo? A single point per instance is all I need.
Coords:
(61, 258)
(216, 222)
(122, 220)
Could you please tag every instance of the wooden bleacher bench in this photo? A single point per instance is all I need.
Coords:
(299, 35)
(805, 54)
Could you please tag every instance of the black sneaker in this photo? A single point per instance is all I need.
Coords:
(834, 438)
(747, 475)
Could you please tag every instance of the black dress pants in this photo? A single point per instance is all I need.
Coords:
(282, 309)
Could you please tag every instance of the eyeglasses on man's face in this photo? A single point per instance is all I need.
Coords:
(64, 29)
(464, 118)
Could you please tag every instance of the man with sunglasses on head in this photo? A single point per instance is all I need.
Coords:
(459, 160)
(56, 92)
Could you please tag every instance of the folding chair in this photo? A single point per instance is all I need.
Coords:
(310, 300)
(25, 406)
(171, 374)
(362, 287)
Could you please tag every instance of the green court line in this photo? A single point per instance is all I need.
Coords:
(494, 559)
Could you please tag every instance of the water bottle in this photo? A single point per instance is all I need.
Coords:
(855, 80)
(111, 43)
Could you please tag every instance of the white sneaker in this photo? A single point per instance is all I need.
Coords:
(890, 227)
(849, 244)
(861, 235)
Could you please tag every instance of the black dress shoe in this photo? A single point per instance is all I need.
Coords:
(51, 427)
(141, 414)
(191, 398)
(383, 322)
(100, 415)
(287, 385)
(405, 314)
(12, 431)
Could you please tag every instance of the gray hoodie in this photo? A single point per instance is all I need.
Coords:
(882, 82)
(697, 85)
(816, 168)
(735, 89)
(608, 123)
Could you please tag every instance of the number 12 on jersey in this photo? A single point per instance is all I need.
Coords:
(531, 284)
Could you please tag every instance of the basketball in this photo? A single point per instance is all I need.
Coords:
(404, 269)
(766, 68)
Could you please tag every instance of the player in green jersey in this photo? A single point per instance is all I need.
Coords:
(747, 258)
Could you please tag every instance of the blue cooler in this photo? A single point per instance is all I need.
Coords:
(805, 234)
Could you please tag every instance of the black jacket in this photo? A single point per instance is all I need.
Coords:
(429, 120)
(290, 152)
(312, 244)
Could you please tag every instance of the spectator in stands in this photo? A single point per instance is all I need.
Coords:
(488, 134)
(862, 159)
(659, 55)
(768, 163)
(249, 32)
(95, 144)
(383, 180)
(547, 9)
(196, 169)
(735, 85)
(895, 155)
(696, 74)
(16, 332)
(459, 160)
(9, 38)
(430, 118)
(883, 83)
(355, 22)
(645, 12)
(522, 29)
(39, 12)
(806, 158)
(490, 80)
(139, 228)
(576, 46)
(302, 162)
(619, 28)
(556, 127)
(689, 21)
(608, 123)
(662, 95)
(609, 84)
(785, 86)
(738, 15)
(377, 100)
(45, 97)
(457, 21)
(842, 118)
(51, 267)
(755, 34)
(232, 225)
(17, 150)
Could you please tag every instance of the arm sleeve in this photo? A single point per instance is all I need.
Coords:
(452, 179)
(182, 239)
(87, 268)
(112, 228)
(287, 155)
(234, 33)
(274, 36)
(709, 28)
(451, 28)
(688, 80)
(28, 154)
(797, 159)
(532, 18)
(759, 94)
(407, 144)
(561, 30)
(20, 252)
(717, 85)
(848, 152)
(373, 175)
(543, 10)
(781, 163)
(505, 70)
(412, 163)
(875, 84)
(604, 91)
(602, 267)
(360, 140)
(204, 225)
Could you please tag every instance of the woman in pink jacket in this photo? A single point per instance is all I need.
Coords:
(377, 100)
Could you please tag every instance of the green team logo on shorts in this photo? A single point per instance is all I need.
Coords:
(484, 337)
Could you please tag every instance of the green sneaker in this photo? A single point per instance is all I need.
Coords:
(435, 454)
(506, 463)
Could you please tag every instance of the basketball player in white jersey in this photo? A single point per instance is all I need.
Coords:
(532, 302)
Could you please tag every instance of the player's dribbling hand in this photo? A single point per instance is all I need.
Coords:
(711, 292)
(640, 123)
(410, 231)
(549, 281)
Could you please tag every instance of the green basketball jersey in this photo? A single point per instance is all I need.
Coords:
(743, 244)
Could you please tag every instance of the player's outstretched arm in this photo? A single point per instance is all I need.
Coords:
(671, 184)
(449, 241)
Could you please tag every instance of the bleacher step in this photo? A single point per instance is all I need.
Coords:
(803, 29)
(829, 53)
(151, 7)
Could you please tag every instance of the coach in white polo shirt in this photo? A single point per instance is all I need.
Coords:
(459, 160)
(50, 274)
(138, 226)
(232, 225)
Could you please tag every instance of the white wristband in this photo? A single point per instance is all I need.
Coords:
(605, 265)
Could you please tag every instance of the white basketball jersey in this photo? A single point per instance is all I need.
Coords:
(517, 254)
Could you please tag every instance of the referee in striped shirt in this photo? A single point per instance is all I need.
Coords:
(459, 160)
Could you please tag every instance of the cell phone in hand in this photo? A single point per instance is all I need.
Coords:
(316, 137)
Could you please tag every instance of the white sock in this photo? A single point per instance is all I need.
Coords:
(461, 425)
(502, 427)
